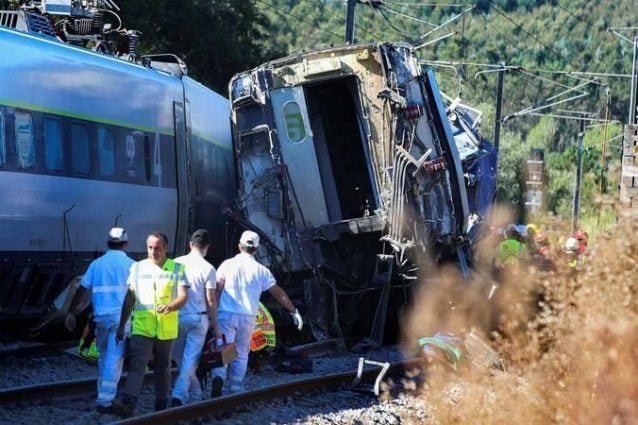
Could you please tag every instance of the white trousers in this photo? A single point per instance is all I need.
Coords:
(237, 328)
(110, 361)
(186, 352)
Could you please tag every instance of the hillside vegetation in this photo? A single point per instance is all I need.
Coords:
(543, 39)
(548, 47)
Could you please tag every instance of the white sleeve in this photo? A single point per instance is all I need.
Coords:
(211, 279)
(268, 280)
(87, 278)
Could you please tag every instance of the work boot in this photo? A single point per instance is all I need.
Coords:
(122, 408)
(176, 402)
(105, 410)
(160, 404)
(218, 384)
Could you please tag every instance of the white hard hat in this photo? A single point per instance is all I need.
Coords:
(571, 245)
(117, 235)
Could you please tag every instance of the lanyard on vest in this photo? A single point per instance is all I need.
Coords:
(147, 321)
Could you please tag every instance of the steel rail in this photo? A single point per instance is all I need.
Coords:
(58, 390)
(87, 386)
(227, 404)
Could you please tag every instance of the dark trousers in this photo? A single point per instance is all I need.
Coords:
(140, 352)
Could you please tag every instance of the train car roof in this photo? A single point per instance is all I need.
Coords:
(50, 76)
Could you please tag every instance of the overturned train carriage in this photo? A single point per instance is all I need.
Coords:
(356, 174)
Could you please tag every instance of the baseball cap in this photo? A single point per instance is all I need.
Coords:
(200, 237)
(118, 235)
(250, 239)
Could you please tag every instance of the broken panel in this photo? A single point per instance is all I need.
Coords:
(348, 159)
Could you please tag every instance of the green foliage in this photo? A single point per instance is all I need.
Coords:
(540, 37)
(216, 39)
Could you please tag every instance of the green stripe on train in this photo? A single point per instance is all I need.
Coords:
(85, 117)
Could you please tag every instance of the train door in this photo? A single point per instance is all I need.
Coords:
(298, 152)
(340, 142)
(181, 229)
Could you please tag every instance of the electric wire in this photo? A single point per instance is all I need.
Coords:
(412, 18)
(397, 30)
(287, 14)
(342, 17)
(539, 70)
(400, 3)
(567, 11)
(527, 33)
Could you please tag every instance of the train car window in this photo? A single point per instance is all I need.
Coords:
(130, 155)
(3, 150)
(147, 158)
(295, 126)
(25, 149)
(53, 139)
(106, 152)
(80, 148)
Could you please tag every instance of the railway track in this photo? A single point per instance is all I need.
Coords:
(72, 402)
(310, 392)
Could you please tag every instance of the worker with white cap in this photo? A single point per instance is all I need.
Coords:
(106, 279)
(241, 280)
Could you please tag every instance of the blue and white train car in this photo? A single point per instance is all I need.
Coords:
(89, 141)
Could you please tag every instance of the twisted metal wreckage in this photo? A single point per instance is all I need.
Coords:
(352, 170)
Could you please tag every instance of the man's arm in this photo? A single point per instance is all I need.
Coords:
(177, 303)
(127, 309)
(282, 298)
(69, 321)
(211, 306)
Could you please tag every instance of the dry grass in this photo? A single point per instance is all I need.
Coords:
(569, 341)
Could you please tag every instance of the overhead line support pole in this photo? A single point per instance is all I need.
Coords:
(579, 175)
(632, 94)
(499, 105)
(350, 21)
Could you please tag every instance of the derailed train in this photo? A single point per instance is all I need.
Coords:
(356, 175)
(346, 161)
(89, 141)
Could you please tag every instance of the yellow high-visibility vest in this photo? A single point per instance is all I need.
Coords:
(264, 330)
(151, 293)
(509, 251)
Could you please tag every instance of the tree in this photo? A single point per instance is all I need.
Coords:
(216, 39)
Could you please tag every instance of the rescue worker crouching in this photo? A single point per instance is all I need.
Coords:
(510, 252)
(157, 288)
(106, 277)
(195, 318)
(241, 280)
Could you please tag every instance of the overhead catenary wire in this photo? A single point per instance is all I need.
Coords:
(527, 33)
(287, 14)
(539, 70)
(394, 28)
(425, 4)
(342, 17)
(412, 18)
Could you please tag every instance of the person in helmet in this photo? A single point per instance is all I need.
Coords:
(571, 249)
(583, 239)
(511, 250)
(533, 231)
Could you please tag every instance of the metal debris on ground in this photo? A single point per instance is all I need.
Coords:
(481, 354)
(356, 383)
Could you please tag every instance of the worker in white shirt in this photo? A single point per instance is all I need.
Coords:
(106, 279)
(195, 318)
(241, 280)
